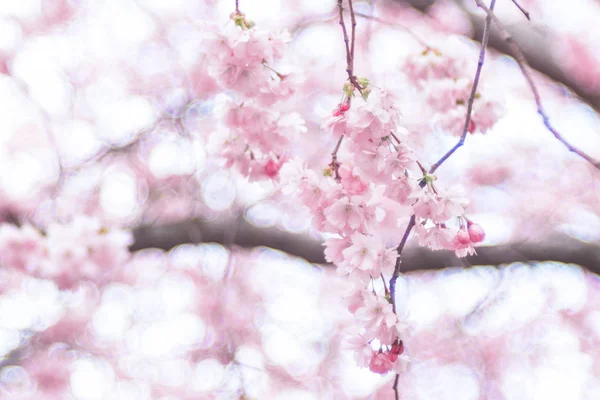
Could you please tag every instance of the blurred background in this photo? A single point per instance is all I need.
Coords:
(106, 112)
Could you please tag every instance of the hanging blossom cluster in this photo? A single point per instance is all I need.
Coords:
(242, 60)
(65, 254)
(363, 198)
(446, 84)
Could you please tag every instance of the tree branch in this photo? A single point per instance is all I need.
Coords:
(560, 248)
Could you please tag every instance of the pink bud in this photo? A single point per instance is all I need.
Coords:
(398, 348)
(463, 236)
(476, 233)
(340, 109)
(381, 363)
(272, 168)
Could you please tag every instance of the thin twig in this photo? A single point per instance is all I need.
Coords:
(349, 44)
(346, 39)
(524, 67)
(525, 13)
(237, 6)
(394, 25)
(387, 292)
(463, 136)
(409, 227)
(353, 21)
(335, 165)
(396, 379)
(411, 223)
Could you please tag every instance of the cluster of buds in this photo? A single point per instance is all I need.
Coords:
(240, 20)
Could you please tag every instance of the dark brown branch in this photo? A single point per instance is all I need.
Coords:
(246, 235)
(558, 248)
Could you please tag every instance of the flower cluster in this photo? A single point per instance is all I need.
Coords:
(242, 59)
(363, 199)
(66, 254)
(446, 84)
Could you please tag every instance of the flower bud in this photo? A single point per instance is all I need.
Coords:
(272, 168)
(463, 236)
(476, 233)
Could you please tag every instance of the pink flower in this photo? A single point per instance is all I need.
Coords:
(437, 237)
(361, 255)
(373, 119)
(334, 248)
(363, 352)
(438, 205)
(351, 182)
(344, 214)
(379, 319)
(381, 363)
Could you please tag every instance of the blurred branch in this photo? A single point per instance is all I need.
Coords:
(559, 248)
(220, 231)
(536, 42)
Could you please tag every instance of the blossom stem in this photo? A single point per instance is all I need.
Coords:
(349, 43)
(237, 6)
(463, 136)
(387, 292)
(395, 137)
(409, 227)
(279, 75)
(334, 162)
(525, 13)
